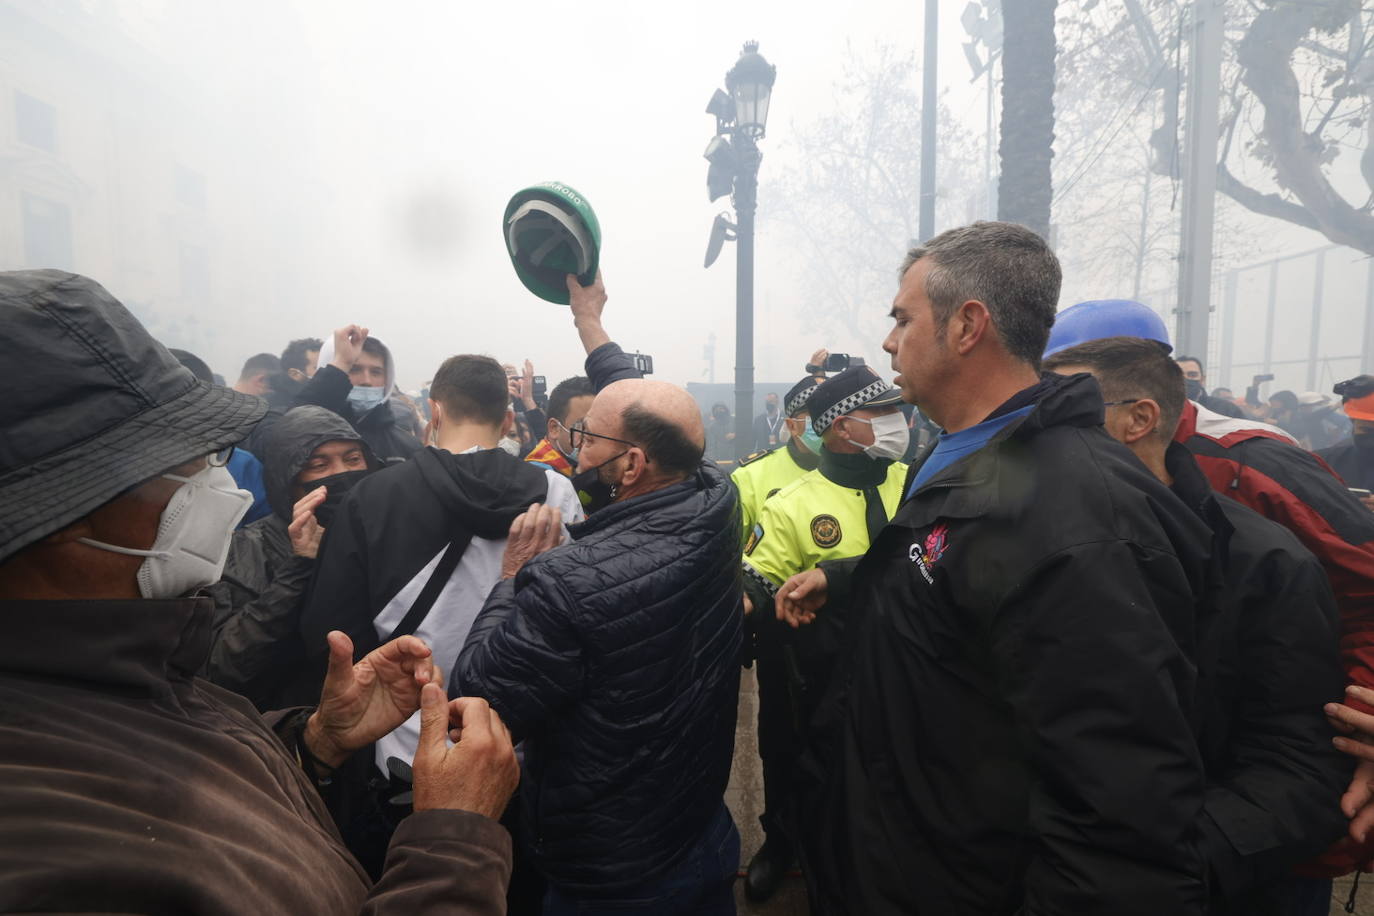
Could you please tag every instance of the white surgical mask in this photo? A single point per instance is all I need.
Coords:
(509, 446)
(890, 437)
(193, 536)
(365, 397)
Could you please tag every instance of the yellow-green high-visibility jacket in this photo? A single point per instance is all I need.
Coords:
(809, 520)
(764, 473)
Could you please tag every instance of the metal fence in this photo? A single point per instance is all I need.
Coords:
(1304, 317)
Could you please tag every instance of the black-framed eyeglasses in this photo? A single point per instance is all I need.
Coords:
(1119, 403)
(220, 458)
(578, 433)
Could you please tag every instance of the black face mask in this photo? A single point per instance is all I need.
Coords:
(339, 485)
(1193, 388)
(594, 492)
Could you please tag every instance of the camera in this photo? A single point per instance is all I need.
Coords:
(1259, 379)
(643, 362)
(838, 362)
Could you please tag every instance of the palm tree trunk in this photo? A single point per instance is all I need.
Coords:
(1027, 145)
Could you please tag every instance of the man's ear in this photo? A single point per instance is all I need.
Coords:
(969, 324)
(636, 467)
(551, 429)
(1143, 419)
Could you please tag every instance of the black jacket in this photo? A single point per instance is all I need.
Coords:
(1355, 467)
(380, 427)
(616, 659)
(1011, 731)
(1268, 659)
(397, 521)
(256, 649)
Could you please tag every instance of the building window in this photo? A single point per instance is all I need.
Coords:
(47, 232)
(35, 122)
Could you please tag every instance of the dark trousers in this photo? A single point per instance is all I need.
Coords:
(702, 884)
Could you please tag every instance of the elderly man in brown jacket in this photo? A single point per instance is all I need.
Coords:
(126, 783)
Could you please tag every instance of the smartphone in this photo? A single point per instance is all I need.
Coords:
(1361, 493)
(1268, 377)
(541, 385)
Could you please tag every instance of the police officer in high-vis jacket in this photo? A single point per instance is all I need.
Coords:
(829, 513)
(764, 473)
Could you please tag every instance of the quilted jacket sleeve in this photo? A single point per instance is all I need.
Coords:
(522, 655)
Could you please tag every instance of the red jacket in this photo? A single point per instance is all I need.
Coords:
(1263, 467)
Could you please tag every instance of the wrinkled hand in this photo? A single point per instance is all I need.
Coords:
(801, 597)
(1358, 801)
(361, 703)
(348, 346)
(534, 531)
(478, 772)
(305, 530)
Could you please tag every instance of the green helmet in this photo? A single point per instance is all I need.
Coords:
(551, 232)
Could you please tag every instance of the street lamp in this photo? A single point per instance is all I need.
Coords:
(741, 115)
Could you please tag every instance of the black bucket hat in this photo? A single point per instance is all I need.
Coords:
(855, 387)
(102, 406)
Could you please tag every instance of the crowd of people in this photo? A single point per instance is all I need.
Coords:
(1041, 626)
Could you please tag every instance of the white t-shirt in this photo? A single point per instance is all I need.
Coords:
(446, 626)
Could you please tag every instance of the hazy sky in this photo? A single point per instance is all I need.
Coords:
(389, 116)
(462, 104)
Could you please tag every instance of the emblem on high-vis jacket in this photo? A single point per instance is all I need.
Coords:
(754, 537)
(825, 530)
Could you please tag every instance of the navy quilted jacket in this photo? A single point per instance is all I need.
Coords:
(616, 659)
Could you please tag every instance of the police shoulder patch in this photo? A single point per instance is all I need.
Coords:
(825, 530)
(750, 459)
(754, 537)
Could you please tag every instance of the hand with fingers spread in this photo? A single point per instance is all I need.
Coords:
(348, 346)
(801, 596)
(363, 702)
(525, 387)
(534, 531)
(478, 772)
(305, 530)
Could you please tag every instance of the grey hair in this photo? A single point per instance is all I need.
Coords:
(1006, 267)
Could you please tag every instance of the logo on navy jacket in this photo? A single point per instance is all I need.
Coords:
(926, 554)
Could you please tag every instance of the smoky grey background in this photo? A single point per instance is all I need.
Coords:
(244, 174)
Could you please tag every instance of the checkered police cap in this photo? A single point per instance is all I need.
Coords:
(858, 386)
(799, 395)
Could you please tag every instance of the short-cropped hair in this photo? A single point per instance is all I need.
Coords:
(1131, 367)
(261, 362)
(472, 388)
(663, 442)
(576, 387)
(293, 357)
(1006, 267)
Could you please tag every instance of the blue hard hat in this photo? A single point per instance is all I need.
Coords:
(1099, 318)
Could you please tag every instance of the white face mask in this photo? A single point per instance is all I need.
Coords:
(365, 397)
(890, 437)
(193, 536)
(509, 446)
